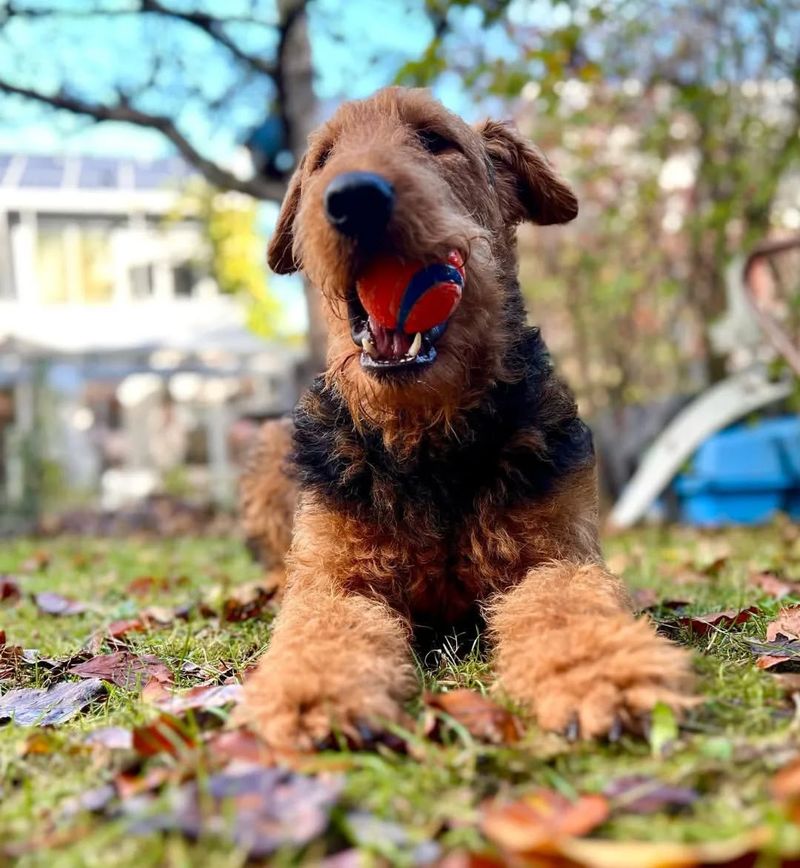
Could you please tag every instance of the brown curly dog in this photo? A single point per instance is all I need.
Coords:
(434, 480)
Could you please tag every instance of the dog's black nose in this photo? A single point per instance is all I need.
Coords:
(359, 204)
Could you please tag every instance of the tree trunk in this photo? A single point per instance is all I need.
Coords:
(298, 106)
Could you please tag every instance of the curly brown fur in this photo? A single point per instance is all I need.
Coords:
(467, 486)
(268, 495)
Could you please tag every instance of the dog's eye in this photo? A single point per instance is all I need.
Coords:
(435, 143)
(322, 158)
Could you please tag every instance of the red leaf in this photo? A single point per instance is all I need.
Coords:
(125, 669)
(704, 624)
(9, 589)
(164, 735)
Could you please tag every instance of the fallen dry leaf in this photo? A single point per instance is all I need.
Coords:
(125, 669)
(164, 735)
(780, 652)
(773, 585)
(597, 853)
(36, 563)
(239, 745)
(786, 783)
(36, 706)
(9, 590)
(51, 603)
(539, 821)
(111, 737)
(130, 784)
(118, 629)
(39, 743)
(704, 624)
(261, 810)
(200, 698)
(638, 794)
(787, 624)
(481, 717)
(247, 601)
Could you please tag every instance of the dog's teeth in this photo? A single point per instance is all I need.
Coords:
(369, 348)
(415, 346)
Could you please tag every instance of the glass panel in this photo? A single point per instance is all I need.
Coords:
(52, 262)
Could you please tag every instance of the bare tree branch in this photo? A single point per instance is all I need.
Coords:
(124, 112)
(211, 25)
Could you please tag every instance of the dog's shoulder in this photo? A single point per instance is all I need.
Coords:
(516, 445)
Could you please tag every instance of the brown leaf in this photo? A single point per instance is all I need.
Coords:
(55, 604)
(39, 743)
(773, 585)
(248, 601)
(129, 784)
(780, 652)
(164, 735)
(36, 563)
(704, 624)
(141, 586)
(36, 706)
(239, 745)
(118, 629)
(200, 698)
(787, 624)
(789, 682)
(644, 598)
(9, 590)
(483, 718)
(125, 669)
(786, 783)
(539, 821)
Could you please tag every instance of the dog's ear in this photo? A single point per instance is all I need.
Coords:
(280, 254)
(528, 187)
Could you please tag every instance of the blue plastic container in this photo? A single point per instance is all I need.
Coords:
(744, 475)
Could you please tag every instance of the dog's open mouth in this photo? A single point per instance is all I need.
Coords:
(399, 309)
(385, 349)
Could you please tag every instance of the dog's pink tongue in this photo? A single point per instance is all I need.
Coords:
(389, 343)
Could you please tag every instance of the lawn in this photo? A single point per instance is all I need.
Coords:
(136, 776)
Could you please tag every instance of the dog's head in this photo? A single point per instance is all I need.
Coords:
(397, 180)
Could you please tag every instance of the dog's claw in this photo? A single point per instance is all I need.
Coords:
(615, 732)
(572, 732)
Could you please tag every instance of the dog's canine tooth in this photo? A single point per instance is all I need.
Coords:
(415, 346)
(369, 348)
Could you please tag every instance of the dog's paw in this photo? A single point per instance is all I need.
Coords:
(301, 712)
(595, 676)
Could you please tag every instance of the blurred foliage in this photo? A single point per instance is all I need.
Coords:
(678, 122)
(234, 254)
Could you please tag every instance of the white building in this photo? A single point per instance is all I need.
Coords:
(100, 278)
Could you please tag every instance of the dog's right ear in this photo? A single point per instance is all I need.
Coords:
(280, 254)
(528, 187)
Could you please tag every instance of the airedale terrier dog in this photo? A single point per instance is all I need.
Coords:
(441, 473)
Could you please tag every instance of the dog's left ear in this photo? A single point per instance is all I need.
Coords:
(280, 254)
(528, 187)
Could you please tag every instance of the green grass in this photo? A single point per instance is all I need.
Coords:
(727, 752)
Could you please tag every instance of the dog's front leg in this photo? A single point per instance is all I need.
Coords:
(335, 660)
(568, 647)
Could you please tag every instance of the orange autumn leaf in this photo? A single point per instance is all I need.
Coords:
(479, 715)
(541, 819)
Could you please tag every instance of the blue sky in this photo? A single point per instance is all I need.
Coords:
(358, 46)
